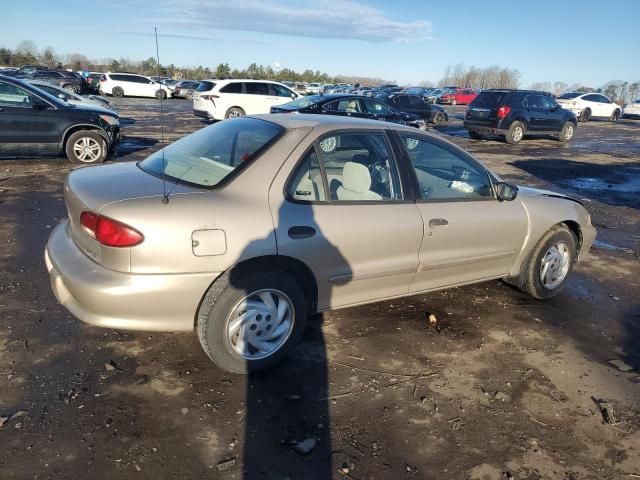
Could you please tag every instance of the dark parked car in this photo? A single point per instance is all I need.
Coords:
(93, 81)
(24, 70)
(516, 113)
(33, 121)
(417, 106)
(184, 89)
(67, 80)
(350, 106)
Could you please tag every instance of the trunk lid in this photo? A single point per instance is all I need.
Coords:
(92, 188)
(484, 108)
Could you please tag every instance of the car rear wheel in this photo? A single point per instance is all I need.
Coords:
(550, 263)
(585, 115)
(249, 320)
(475, 135)
(117, 92)
(161, 94)
(86, 146)
(515, 133)
(615, 116)
(234, 112)
(567, 132)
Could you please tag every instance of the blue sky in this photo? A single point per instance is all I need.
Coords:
(588, 42)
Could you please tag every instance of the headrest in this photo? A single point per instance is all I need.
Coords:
(356, 177)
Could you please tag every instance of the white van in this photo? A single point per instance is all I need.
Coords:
(131, 85)
(220, 99)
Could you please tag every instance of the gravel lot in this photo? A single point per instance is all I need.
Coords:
(502, 387)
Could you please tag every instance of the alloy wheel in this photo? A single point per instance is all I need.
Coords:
(87, 149)
(555, 265)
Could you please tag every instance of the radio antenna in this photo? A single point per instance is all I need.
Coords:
(165, 196)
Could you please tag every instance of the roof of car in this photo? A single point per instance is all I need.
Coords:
(303, 120)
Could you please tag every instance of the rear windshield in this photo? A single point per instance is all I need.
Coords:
(208, 156)
(205, 86)
(567, 96)
(489, 99)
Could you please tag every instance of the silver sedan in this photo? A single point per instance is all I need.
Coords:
(244, 228)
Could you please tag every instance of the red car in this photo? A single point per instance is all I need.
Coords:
(461, 96)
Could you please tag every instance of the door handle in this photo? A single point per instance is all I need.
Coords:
(438, 222)
(301, 231)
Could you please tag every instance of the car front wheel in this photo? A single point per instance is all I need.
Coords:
(161, 94)
(86, 146)
(567, 132)
(550, 263)
(249, 320)
(515, 133)
(585, 115)
(615, 116)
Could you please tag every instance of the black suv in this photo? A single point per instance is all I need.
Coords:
(33, 121)
(68, 80)
(516, 113)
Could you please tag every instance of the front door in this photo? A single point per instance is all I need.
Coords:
(23, 124)
(343, 213)
(468, 234)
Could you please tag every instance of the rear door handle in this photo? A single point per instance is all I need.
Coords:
(301, 231)
(438, 222)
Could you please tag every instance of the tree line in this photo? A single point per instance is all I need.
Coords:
(460, 75)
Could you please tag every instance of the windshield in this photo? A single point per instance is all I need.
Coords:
(205, 86)
(567, 96)
(207, 156)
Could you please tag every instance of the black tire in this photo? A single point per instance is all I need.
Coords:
(161, 94)
(585, 115)
(117, 92)
(439, 118)
(91, 138)
(615, 116)
(220, 301)
(516, 133)
(234, 112)
(567, 132)
(475, 135)
(529, 280)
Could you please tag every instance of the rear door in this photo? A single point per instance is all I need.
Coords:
(537, 116)
(468, 234)
(256, 99)
(344, 214)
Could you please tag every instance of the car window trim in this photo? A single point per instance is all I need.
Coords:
(316, 145)
(446, 146)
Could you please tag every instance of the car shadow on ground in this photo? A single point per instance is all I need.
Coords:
(615, 185)
(133, 144)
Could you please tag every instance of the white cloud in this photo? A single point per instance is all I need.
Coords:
(334, 19)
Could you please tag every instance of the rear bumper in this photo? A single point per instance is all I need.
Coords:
(106, 298)
(485, 129)
(203, 114)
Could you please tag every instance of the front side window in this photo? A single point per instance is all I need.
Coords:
(208, 156)
(280, 91)
(348, 105)
(376, 108)
(13, 96)
(402, 101)
(532, 101)
(445, 175)
(548, 102)
(347, 167)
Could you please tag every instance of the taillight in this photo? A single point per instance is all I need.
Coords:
(209, 97)
(109, 232)
(503, 111)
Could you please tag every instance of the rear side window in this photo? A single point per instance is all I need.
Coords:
(569, 96)
(279, 91)
(257, 88)
(235, 87)
(490, 99)
(376, 107)
(205, 158)
(532, 101)
(205, 86)
(349, 105)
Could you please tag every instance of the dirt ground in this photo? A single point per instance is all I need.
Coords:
(502, 387)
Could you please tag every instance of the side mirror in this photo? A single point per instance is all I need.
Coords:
(506, 192)
(62, 96)
(39, 104)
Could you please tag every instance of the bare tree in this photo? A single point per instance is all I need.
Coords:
(559, 88)
(26, 52)
(49, 58)
(541, 86)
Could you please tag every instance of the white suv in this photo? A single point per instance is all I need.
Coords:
(587, 105)
(131, 85)
(220, 99)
